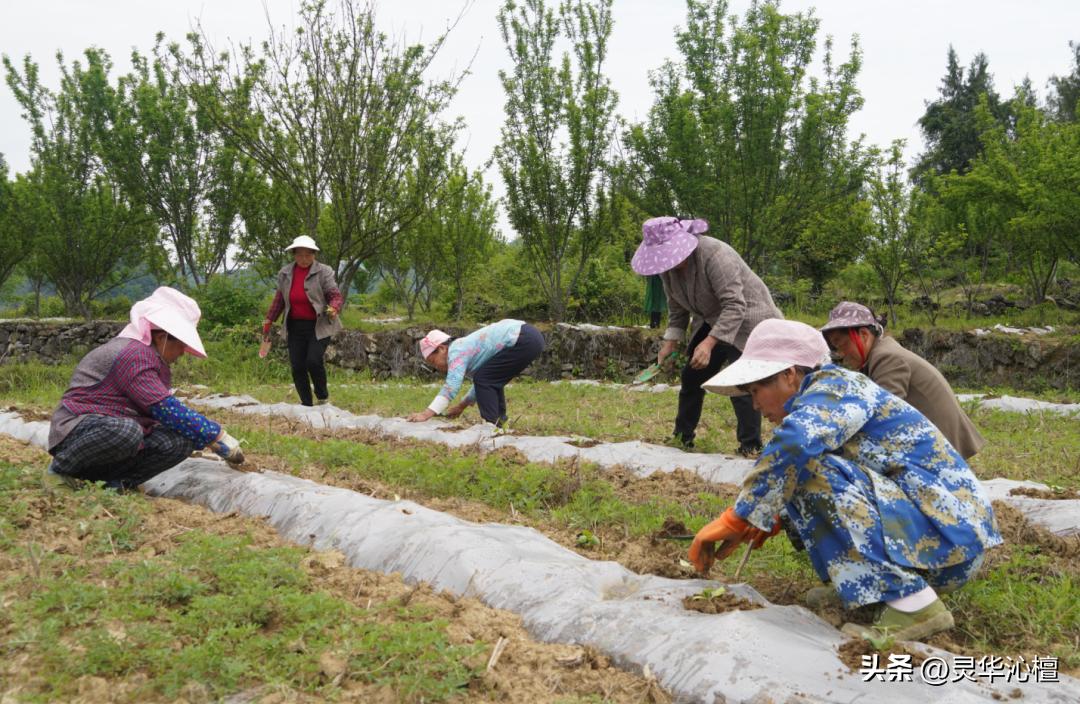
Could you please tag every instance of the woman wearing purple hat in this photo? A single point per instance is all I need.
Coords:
(708, 280)
(858, 338)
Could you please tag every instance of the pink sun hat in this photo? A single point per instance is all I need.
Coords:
(431, 342)
(773, 346)
(666, 242)
(169, 310)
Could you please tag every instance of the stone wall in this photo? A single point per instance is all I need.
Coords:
(595, 352)
(573, 351)
(1028, 361)
(51, 341)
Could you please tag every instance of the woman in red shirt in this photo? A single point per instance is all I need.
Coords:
(307, 293)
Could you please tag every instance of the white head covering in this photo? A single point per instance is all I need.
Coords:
(169, 310)
(303, 241)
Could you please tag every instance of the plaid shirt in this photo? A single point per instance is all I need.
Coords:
(122, 378)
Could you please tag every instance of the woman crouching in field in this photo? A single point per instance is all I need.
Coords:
(887, 509)
(119, 422)
(492, 356)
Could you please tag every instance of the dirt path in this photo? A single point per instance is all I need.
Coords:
(527, 671)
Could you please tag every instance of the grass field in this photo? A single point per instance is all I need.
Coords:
(1023, 603)
(113, 597)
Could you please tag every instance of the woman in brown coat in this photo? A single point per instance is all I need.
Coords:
(854, 334)
(308, 295)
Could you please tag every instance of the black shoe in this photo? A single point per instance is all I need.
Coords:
(749, 451)
(682, 442)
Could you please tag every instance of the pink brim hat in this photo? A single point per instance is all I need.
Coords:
(169, 310)
(666, 242)
(773, 346)
(431, 342)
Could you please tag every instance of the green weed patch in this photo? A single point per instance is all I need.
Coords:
(216, 611)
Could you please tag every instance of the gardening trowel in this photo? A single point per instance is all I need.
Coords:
(655, 368)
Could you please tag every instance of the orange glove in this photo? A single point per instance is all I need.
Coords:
(729, 528)
(758, 536)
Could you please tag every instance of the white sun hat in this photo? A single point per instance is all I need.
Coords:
(773, 346)
(169, 310)
(303, 241)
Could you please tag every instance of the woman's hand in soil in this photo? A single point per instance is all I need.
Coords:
(420, 417)
(728, 528)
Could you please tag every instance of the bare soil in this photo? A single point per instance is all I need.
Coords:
(851, 653)
(527, 671)
(1045, 493)
(654, 554)
(30, 414)
(718, 604)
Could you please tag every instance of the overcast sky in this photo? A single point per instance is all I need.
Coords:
(904, 48)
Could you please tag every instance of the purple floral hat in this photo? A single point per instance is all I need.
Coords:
(666, 242)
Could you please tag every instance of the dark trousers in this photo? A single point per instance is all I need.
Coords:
(490, 379)
(654, 318)
(692, 396)
(115, 451)
(306, 359)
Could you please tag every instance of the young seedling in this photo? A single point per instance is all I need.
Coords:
(586, 539)
(883, 643)
(707, 594)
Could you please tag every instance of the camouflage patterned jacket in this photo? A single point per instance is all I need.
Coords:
(931, 511)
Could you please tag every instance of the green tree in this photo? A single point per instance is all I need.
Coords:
(270, 224)
(887, 240)
(1065, 90)
(88, 235)
(950, 126)
(463, 227)
(557, 134)
(831, 239)
(13, 240)
(740, 135)
(333, 113)
(162, 152)
(974, 226)
(1031, 175)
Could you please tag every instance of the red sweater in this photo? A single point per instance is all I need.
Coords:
(300, 307)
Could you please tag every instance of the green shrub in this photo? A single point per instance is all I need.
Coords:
(117, 308)
(608, 290)
(229, 301)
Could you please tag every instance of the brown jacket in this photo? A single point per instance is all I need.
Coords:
(321, 287)
(718, 288)
(918, 382)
